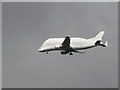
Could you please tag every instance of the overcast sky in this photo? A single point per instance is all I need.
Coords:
(27, 25)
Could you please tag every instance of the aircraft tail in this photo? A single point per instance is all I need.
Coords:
(98, 37)
(106, 44)
(99, 43)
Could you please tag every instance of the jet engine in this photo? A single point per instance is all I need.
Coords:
(64, 52)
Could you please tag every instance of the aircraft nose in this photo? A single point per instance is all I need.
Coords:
(40, 50)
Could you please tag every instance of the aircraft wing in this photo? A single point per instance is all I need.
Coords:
(66, 42)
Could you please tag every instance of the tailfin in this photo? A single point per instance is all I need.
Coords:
(98, 36)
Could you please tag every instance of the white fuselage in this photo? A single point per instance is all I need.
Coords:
(72, 44)
(75, 42)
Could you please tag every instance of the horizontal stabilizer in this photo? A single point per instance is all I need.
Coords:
(106, 44)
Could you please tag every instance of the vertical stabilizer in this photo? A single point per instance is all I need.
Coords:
(98, 36)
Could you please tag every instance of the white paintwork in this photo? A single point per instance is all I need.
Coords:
(106, 43)
(75, 42)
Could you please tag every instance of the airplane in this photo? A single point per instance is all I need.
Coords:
(68, 45)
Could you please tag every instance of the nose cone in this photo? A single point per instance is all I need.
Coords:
(40, 50)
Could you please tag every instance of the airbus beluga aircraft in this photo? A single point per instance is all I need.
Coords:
(68, 45)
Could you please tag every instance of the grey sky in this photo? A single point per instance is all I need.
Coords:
(27, 25)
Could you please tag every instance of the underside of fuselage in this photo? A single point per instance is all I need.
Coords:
(68, 49)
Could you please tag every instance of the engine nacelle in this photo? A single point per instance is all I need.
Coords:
(64, 52)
